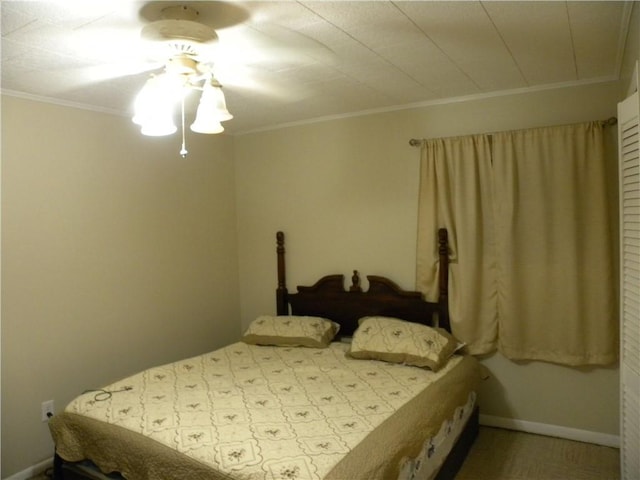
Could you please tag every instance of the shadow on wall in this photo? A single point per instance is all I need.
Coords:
(492, 395)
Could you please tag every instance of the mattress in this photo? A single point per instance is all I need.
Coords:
(256, 412)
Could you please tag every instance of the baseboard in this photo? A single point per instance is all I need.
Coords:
(36, 469)
(551, 430)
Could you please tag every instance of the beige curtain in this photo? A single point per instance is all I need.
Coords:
(554, 246)
(532, 265)
(455, 192)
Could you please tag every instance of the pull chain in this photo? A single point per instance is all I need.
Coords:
(183, 151)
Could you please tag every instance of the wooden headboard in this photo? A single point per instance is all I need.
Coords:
(328, 297)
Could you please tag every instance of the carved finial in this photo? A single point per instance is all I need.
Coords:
(355, 282)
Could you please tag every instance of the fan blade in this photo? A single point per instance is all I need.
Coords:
(251, 81)
(292, 45)
(269, 60)
(270, 44)
(99, 73)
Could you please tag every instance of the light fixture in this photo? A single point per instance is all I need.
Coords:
(155, 105)
(212, 109)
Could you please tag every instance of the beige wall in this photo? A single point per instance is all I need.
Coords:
(345, 193)
(117, 254)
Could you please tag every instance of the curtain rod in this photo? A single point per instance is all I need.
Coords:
(415, 142)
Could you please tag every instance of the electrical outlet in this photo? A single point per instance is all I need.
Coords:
(47, 410)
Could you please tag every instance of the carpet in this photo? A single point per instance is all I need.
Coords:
(500, 454)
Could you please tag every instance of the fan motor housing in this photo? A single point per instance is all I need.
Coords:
(181, 65)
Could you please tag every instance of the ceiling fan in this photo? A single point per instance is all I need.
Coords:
(187, 44)
(184, 38)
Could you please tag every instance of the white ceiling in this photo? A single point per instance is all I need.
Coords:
(291, 61)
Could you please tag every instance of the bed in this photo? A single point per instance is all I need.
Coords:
(316, 391)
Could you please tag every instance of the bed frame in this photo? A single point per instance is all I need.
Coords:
(328, 298)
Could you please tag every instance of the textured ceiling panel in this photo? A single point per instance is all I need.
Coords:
(596, 36)
(290, 61)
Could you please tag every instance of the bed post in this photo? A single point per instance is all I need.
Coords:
(443, 280)
(282, 307)
(58, 473)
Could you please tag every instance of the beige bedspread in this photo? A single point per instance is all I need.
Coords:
(253, 412)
